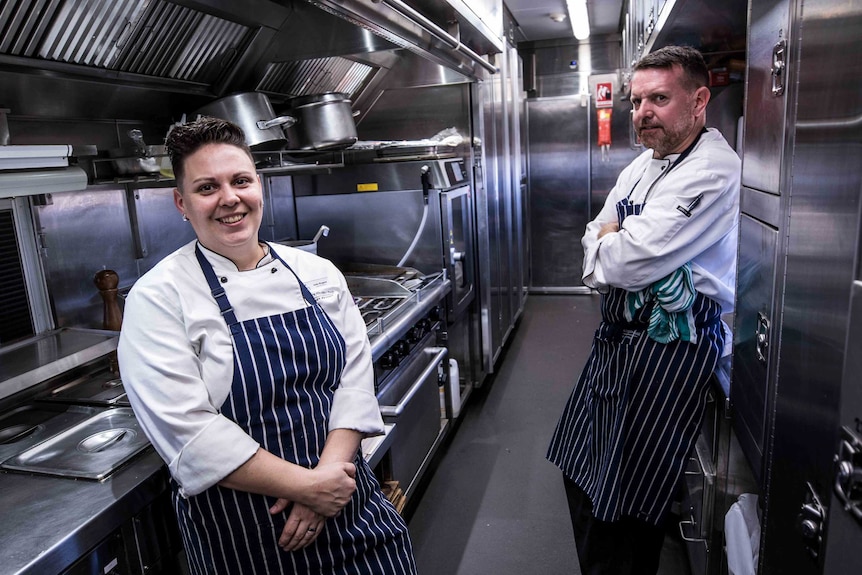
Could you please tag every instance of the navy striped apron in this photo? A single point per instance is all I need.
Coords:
(286, 370)
(636, 410)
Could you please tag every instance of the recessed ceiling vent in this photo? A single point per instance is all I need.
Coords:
(315, 76)
(150, 37)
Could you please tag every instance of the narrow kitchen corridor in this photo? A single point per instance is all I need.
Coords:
(494, 505)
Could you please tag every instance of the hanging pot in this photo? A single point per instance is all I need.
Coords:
(251, 111)
(323, 122)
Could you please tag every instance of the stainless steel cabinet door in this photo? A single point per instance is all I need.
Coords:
(753, 336)
(766, 97)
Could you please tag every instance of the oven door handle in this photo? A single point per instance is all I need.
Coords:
(396, 410)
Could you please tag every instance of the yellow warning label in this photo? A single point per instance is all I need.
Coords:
(366, 187)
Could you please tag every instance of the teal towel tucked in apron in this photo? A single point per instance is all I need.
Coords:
(671, 318)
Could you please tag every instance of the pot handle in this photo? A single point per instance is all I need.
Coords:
(286, 121)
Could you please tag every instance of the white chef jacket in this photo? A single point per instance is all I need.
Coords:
(176, 355)
(662, 238)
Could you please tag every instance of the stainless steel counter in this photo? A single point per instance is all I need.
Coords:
(42, 357)
(50, 522)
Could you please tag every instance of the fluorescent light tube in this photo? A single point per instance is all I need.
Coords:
(579, 18)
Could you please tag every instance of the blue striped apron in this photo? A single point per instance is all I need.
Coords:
(636, 410)
(286, 370)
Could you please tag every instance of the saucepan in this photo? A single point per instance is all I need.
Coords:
(322, 122)
(253, 112)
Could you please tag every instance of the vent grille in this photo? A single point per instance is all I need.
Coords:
(17, 323)
(151, 37)
(315, 76)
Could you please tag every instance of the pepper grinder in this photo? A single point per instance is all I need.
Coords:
(107, 282)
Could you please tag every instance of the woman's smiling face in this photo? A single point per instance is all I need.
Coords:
(222, 198)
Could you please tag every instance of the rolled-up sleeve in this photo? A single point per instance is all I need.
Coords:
(354, 404)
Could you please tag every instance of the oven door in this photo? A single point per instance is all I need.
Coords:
(457, 221)
(411, 401)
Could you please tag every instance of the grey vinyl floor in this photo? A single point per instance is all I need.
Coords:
(493, 504)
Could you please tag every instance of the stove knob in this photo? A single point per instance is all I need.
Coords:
(402, 348)
(416, 332)
(389, 360)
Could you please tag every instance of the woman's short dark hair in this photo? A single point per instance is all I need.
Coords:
(186, 139)
(690, 60)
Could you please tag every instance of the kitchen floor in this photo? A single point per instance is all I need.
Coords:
(493, 505)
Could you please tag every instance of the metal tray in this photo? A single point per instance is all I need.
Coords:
(30, 424)
(92, 449)
(102, 388)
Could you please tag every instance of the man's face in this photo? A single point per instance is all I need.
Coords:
(665, 113)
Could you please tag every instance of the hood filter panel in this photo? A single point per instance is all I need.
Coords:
(150, 37)
(316, 76)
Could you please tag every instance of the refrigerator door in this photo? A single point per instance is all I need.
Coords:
(766, 99)
(754, 337)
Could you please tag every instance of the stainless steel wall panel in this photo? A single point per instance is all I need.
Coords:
(83, 233)
(279, 216)
(766, 111)
(160, 226)
(375, 227)
(559, 148)
(417, 113)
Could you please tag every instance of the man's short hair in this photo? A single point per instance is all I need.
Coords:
(689, 59)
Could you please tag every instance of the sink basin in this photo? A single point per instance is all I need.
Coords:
(91, 449)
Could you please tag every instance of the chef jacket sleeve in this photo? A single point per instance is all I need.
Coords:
(590, 241)
(354, 404)
(692, 210)
(161, 372)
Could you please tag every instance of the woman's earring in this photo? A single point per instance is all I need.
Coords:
(185, 218)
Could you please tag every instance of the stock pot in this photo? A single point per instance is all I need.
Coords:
(323, 122)
(253, 112)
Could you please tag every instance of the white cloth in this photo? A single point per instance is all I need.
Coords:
(742, 534)
(662, 238)
(176, 355)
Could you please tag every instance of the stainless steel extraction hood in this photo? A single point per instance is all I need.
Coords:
(204, 49)
(445, 31)
(189, 45)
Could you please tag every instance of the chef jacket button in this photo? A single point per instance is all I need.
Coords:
(273, 270)
(223, 279)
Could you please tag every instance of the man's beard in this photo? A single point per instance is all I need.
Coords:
(665, 139)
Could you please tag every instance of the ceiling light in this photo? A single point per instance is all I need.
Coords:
(578, 17)
(557, 17)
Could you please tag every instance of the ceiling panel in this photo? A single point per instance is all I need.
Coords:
(534, 18)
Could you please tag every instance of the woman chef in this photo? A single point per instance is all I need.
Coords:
(249, 368)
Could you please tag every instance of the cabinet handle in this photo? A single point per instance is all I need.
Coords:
(439, 353)
(779, 66)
